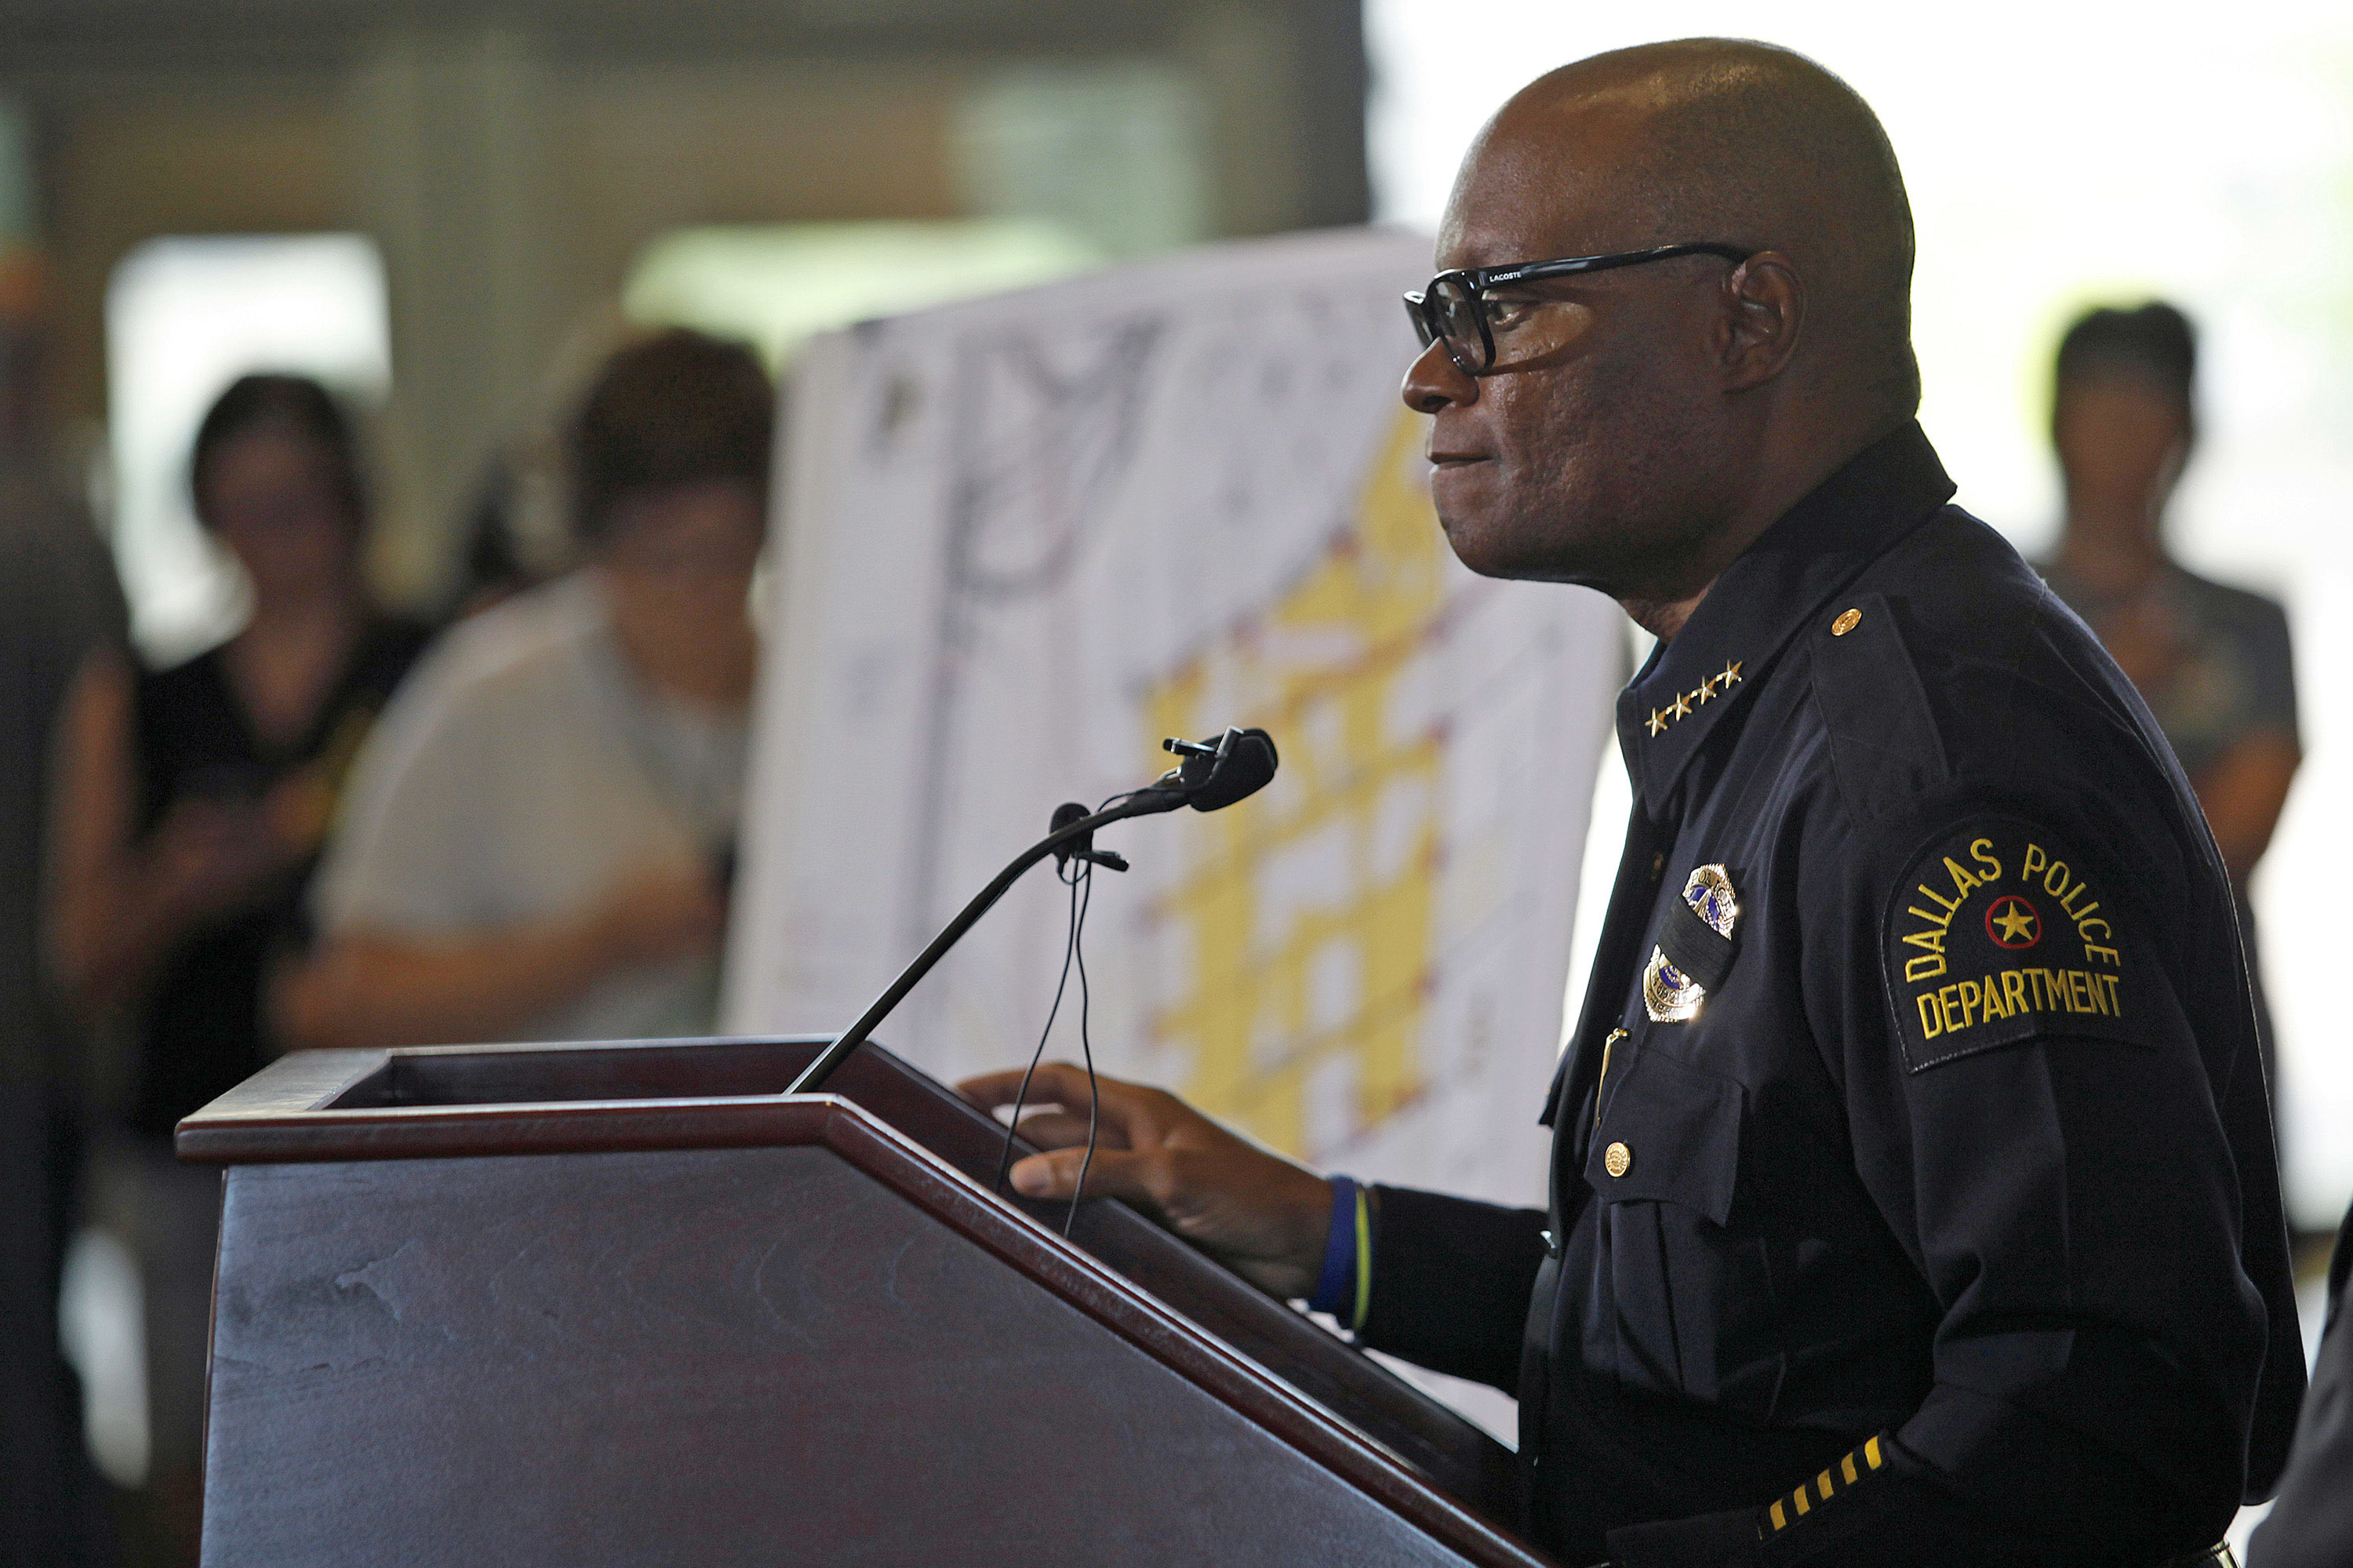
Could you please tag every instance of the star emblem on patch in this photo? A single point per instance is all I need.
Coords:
(2013, 923)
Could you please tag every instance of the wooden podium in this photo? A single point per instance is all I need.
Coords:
(627, 1304)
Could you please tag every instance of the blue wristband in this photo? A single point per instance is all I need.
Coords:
(1332, 1292)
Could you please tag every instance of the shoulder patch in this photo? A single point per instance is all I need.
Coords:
(1998, 932)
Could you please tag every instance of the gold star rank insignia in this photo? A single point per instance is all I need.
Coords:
(1706, 690)
(1731, 673)
(1658, 721)
(1682, 707)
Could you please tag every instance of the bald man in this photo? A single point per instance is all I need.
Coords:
(1913, 1197)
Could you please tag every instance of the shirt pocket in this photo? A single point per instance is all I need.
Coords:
(1686, 1302)
(1668, 1134)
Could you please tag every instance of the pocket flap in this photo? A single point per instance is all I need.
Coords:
(1669, 1134)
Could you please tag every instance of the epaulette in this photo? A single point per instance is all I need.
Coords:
(1884, 745)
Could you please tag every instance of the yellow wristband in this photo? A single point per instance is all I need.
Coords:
(1364, 1260)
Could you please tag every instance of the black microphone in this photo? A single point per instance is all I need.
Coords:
(1236, 765)
(1214, 774)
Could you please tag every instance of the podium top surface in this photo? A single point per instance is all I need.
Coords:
(417, 1101)
(909, 1133)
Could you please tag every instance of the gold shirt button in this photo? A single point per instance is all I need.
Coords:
(1618, 1159)
(1846, 623)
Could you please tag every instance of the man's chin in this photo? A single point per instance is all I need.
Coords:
(1490, 550)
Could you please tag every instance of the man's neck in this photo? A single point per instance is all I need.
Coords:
(1662, 618)
(1782, 483)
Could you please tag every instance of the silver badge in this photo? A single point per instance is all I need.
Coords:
(1669, 995)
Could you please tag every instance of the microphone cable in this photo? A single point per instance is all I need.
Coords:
(1078, 874)
(1086, 1044)
(1021, 1096)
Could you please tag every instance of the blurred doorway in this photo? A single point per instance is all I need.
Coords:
(184, 317)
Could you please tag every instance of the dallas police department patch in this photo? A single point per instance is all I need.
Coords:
(1998, 932)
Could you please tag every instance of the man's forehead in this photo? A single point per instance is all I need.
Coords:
(1563, 188)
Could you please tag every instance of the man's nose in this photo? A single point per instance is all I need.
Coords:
(1433, 381)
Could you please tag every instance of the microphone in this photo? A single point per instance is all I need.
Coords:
(1238, 765)
(1214, 774)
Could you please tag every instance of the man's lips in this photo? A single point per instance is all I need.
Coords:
(1455, 460)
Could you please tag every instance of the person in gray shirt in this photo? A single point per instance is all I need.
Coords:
(536, 839)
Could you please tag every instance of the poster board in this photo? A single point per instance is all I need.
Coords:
(1023, 539)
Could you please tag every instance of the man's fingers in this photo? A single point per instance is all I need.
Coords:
(1115, 1173)
(1134, 1111)
(1060, 1130)
(1052, 1083)
(991, 1089)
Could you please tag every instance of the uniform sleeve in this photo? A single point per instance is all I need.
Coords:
(1451, 1281)
(2030, 1112)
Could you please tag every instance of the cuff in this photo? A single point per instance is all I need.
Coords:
(1728, 1540)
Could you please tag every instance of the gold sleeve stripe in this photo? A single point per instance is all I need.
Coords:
(1364, 1303)
(1824, 1486)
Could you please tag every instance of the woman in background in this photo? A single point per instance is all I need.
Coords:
(192, 807)
(2212, 663)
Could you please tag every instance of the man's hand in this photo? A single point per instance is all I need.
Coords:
(1259, 1214)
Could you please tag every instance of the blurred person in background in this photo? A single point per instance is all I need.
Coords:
(192, 806)
(2212, 663)
(60, 606)
(538, 841)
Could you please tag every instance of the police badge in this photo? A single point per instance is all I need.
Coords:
(1694, 950)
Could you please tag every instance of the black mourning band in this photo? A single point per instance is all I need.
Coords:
(1695, 948)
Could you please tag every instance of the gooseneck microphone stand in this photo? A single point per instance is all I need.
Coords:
(1213, 775)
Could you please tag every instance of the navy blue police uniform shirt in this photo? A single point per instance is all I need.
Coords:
(1914, 1195)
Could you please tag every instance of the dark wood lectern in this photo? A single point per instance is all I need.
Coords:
(626, 1304)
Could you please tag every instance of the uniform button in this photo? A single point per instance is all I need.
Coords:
(1846, 623)
(1617, 1159)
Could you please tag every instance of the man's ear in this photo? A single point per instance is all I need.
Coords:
(1766, 311)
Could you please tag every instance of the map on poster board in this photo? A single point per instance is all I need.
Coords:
(1024, 538)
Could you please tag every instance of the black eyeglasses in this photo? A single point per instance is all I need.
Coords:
(1454, 308)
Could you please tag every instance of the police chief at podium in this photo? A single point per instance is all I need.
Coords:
(1912, 1196)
